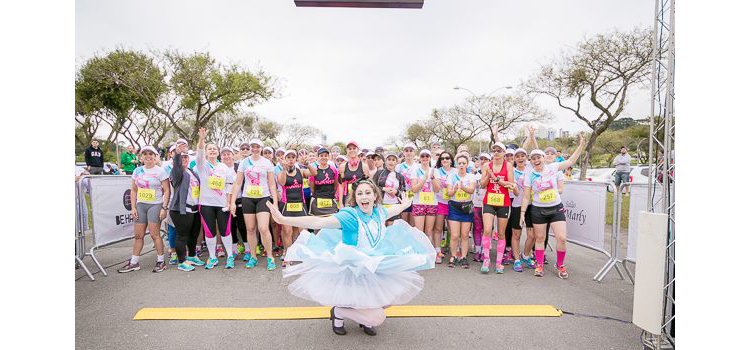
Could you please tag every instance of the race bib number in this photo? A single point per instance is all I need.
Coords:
(426, 198)
(305, 183)
(349, 188)
(146, 195)
(409, 195)
(254, 191)
(294, 206)
(462, 196)
(324, 203)
(194, 191)
(547, 196)
(495, 199)
(445, 194)
(216, 183)
(387, 205)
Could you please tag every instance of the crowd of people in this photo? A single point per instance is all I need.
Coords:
(220, 200)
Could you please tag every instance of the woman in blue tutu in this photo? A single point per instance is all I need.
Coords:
(356, 264)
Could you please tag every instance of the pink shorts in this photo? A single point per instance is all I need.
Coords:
(424, 210)
(443, 209)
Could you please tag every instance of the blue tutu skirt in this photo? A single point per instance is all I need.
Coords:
(335, 274)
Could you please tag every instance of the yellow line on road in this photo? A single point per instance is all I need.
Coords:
(316, 312)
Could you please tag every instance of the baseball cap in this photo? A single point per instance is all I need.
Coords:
(498, 144)
(180, 141)
(267, 148)
(424, 151)
(549, 149)
(280, 150)
(288, 152)
(485, 156)
(341, 157)
(150, 149)
(256, 142)
(352, 143)
(391, 154)
(519, 150)
(336, 149)
(510, 151)
(379, 149)
(322, 150)
(410, 145)
(537, 152)
(225, 149)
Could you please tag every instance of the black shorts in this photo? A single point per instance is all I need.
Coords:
(333, 208)
(500, 212)
(255, 205)
(546, 215)
(527, 216)
(515, 218)
(294, 209)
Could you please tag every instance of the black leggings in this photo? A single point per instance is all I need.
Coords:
(209, 217)
(238, 227)
(187, 226)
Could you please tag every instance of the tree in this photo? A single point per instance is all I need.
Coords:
(230, 129)
(418, 133)
(295, 135)
(502, 112)
(451, 127)
(596, 76)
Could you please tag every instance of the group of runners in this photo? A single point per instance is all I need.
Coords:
(221, 196)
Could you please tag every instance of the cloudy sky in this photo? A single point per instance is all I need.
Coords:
(364, 73)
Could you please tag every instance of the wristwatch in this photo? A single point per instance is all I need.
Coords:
(163, 208)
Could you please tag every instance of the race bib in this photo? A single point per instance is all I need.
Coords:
(194, 191)
(254, 191)
(324, 202)
(495, 199)
(426, 198)
(294, 207)
(409, 195)
(547, 196)
(146, 195)
(305, 184)
(216, 183)
(349, 188)
(445, 194)
(462, 196)
(387, 205)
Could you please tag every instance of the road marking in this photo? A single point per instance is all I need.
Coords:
(323, 312)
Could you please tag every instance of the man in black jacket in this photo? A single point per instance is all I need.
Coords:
(94, 158)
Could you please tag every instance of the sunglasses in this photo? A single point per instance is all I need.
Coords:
(424, 156)
(244, 148)
(445, 158)
(497, 150)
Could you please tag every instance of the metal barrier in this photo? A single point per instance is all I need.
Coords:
(80, 239)
(614, 259)
(97, 244)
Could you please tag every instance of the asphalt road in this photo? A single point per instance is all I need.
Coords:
(105, 309)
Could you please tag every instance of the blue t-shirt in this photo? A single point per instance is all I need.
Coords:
(347, 217)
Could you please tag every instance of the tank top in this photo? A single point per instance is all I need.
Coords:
(496, 194)
(292, 189)
(351, 176)
(325, 183)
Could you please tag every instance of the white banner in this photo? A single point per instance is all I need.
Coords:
(585, 210)
(638, 200)
(110, 208)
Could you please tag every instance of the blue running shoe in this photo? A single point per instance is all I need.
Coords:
(251, 263)
(270, 264)
(230, 262)
(246, 257)
(517, 266)
(195, 260)
(211, 263)
(185, 267)
(529, 262)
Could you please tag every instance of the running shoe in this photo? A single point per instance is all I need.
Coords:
(251, 262)
(517, 266)
(439, 258)
(198, 251)
(270, 264)
(195, 260)
(240, 249)
(452, 261)
(442, 243)
(230, 262)
(529, 262)
(464, 263)
(160, 266)
(246, 257)
(507, 258)
(478, 256)
(173, 259)
(257, 249)
(220, 253)
(185, 267)
(211, 263)
(129, 267)
(485, 266)
(562, 272)
(499, 268)
(539, 271)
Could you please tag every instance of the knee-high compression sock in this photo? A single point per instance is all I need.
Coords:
(539, 255)
(560, 257)
(500, 250)
(486, 244)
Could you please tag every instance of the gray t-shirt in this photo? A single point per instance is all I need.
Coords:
(622, 163)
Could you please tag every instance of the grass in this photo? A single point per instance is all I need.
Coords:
(625, 210)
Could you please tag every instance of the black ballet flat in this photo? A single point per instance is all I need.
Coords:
(369, 330)
(338, 330)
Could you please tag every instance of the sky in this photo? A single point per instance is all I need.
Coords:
(364, 74)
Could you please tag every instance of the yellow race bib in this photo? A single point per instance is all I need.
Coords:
(462, 196)
(294, 206)
(216, 183)
(305, 184)
(387, 205)
(496, 199)
(547, 196)
(409, 195)
(194, 191)
(445, 194)
(324, 202)
(426, 198)
(349, 188)
(146, 195)
(254, 191)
